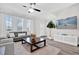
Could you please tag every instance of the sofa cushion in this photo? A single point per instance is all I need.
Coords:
(22, 34)
(11, 34)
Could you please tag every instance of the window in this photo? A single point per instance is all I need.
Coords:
(19, 24)
(8, 23)
(28, 25)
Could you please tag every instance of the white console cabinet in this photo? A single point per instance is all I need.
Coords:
(69, 39)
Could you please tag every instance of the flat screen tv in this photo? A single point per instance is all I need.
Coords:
(68, 23)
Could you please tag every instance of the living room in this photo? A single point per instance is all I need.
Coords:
(18, 21)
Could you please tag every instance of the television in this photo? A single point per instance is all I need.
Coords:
(68, 23)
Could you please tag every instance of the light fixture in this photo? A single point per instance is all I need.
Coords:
(30, 10)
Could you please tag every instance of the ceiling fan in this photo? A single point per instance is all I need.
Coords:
(31, 8)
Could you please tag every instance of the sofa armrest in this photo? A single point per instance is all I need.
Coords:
(8, 44)
(9, 48)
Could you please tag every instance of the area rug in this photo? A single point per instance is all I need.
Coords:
(24, 49)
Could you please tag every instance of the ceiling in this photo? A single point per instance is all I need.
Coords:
(46, 9)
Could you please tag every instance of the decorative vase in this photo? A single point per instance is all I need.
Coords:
(33, 38)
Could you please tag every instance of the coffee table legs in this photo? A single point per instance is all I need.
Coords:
(31, 47)
(44, 42)
(23, 41)
(37, 47)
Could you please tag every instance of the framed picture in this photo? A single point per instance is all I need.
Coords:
(68, 23)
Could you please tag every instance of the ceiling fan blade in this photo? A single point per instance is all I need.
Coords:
(37, 10)
(24, 6)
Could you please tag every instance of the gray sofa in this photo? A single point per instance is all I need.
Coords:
(7, 46)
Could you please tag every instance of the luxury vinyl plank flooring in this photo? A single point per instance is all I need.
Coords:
(66, 49)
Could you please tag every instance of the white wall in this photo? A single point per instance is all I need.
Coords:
(40, 26)
(1, 24)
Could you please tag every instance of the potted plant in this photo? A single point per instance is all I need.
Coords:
(50, 25)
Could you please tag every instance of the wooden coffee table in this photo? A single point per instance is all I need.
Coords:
(36, 44)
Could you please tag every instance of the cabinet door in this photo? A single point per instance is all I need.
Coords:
(58, 38)
(70, 40)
